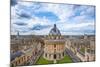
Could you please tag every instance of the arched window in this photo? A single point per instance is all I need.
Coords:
(45, 54)
(49, 55)
(63, 53)
(54, 56)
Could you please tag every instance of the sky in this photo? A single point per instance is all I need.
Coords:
(38, 18)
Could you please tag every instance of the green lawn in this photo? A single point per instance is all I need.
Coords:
(41, 61)
(66, 59)
(83, 50)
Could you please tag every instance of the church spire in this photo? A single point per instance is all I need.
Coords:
(18, 34)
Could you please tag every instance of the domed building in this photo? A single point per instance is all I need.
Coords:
(54, 48)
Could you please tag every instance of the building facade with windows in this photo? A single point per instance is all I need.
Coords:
(83, 48)
(24, 49)
(54, 48)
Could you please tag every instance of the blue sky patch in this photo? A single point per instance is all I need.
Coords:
(49, 15)
(70, 19)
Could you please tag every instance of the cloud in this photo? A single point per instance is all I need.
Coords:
(20, 23)
(49, 15)
(29, 17)
(39, 27)
(60, 10)
(24, 15)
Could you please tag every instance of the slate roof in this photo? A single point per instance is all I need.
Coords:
(16, 54)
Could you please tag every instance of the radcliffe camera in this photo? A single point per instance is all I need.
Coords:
(51, 33)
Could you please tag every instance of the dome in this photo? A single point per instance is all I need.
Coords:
(54, 31)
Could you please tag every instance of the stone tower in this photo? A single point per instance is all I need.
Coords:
(54, 48)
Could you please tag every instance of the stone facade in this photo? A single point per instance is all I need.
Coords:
(25, 49)
(54, 45)
(84, 48)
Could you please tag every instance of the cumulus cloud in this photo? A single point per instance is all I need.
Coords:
(37, 18)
